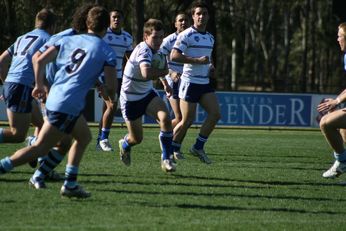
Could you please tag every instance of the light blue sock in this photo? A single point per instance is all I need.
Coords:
(340, 157)
(71, 173)
(5, 165)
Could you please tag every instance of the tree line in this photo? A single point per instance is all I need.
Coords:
(264, 45)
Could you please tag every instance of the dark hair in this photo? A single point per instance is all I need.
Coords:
(117, 10)
(198, 4)
(45, 19)
(98, 19)
(152, 24)
(80, 16)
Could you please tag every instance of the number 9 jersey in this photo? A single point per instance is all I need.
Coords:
(80, 61)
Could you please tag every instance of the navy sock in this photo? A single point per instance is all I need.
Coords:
(200, 141)
(104, 133)
(166, 144)
(176, 146)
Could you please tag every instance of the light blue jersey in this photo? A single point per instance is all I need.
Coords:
(121, 43)
(80, 60)
(345, 61)
(51, 68)
(21, 69)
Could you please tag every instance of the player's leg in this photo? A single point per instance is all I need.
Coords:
(47, 138)
(158, 110)
(105, 126)
(133, 137)
(174, 102)
(82, 137)
(210, 104)
(188, 112)
(19, 124)
(329, 124)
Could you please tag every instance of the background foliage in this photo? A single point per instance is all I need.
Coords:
(264, 45)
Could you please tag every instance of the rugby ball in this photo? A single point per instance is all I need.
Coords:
(158, 61)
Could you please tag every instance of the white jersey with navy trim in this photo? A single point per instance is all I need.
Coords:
(134, 87)
(120, 43)
(166, 48)
(195, 44)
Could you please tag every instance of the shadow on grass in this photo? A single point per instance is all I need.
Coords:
(215, 194)
(234, 208)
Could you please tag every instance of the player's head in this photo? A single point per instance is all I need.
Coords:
(98, 20)
(181, 22)
(342, 36)
(79, 18)
(200, 14)
(116, 19)
(45, 20)
(153, 33)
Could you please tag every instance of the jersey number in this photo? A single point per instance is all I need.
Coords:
(77, 58)
(30, 40)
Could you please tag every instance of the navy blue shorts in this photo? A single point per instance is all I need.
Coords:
(192, 92)
(18, 97)
(132, 110)
(62, 121)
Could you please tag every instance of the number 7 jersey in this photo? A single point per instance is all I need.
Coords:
(21, 69)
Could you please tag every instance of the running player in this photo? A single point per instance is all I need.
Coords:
(138, 96)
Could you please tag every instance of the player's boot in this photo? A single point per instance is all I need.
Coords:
(168, 166)
(37, 183)
(178, 155)
(125, 155)
(336, 170)
(105, 145)
(200, 154)
(77, 192)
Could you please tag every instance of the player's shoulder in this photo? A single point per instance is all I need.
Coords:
(126, 34)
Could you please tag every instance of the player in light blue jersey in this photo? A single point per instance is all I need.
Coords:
(175, 70)
(194, 48)
(138, 96)
(121, 42)
(333, 123)
(18, 83)
(80, 60)
(56, 154)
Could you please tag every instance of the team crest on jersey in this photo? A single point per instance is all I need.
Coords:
(196, 38)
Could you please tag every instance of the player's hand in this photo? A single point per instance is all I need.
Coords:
(168, 90)
(175, 76)
(203, 60)
(39, 92)
(2, 97)
(327, 105)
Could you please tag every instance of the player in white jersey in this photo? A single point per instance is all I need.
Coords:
(121, 42)
(80, 60)
(138, 96)
(333, 121)
(18, 83)
(175, 70)
(194, 48)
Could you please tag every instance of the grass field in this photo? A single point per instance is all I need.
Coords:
(259, 180)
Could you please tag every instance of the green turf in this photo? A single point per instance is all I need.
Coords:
(259, 180)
